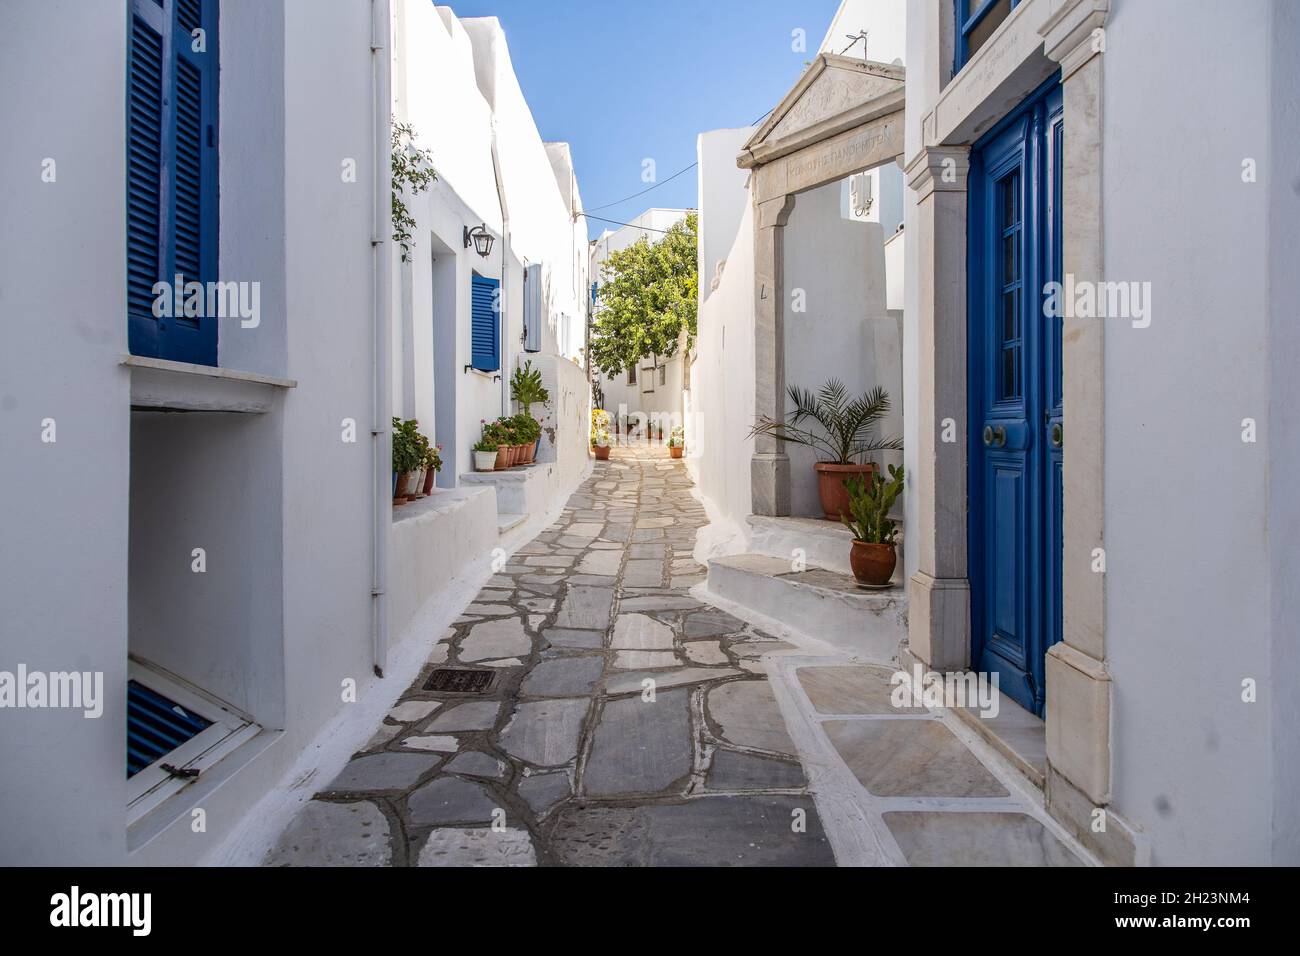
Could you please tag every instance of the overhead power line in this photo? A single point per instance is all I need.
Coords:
(644, 191)
(617, 223)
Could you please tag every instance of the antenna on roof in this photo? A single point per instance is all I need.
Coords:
(853, 41)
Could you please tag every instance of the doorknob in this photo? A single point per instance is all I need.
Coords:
(995, 436)
(1057, 435)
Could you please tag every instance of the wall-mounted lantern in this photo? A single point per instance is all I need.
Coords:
(481, 238)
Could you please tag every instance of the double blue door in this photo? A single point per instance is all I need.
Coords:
(1015, 397)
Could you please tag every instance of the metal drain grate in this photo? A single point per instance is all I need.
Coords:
(459, 680)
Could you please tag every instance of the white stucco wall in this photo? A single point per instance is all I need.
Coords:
(885, 22)
(1189, 540)
(724, 194)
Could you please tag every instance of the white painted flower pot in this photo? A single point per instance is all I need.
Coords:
(485, 460)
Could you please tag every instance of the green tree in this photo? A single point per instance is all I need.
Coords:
(648, 298)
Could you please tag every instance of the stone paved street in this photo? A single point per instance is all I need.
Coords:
(626, 723)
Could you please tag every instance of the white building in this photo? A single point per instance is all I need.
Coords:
(201, 505)
(647, 399)
(1063, 470)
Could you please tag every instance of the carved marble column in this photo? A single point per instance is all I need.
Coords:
(770, 466)
(939, 591)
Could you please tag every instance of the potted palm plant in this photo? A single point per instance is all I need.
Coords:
(840, 430)
(875, 537)
(677, 441)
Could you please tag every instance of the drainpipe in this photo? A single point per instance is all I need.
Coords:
(503, 326)
(381, 282)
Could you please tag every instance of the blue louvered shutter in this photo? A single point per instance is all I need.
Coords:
(533, 308)
(171, 172)
(485, 344)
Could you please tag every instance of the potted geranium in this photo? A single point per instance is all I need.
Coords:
(841, 432)
(875, 536)
(485, 454)
(600, 434)
(676, 441)
(432, 465)
(407, 455)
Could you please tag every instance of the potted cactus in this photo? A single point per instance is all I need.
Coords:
(875, 536)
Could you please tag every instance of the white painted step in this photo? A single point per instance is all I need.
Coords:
(820, 604)
(821, 543)
(508, 522)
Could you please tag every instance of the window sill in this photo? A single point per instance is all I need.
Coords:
(180, 386)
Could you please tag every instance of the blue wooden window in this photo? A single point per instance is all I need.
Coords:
(155, 726)
(485, 308)
(171, 172)
(976, 21)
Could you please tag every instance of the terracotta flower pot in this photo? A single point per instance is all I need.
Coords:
(602, 452)
(521, 454)
(399, 493)
(675, 451)
(503, 457)
(873, 564)
(430, 477)
(830, 485)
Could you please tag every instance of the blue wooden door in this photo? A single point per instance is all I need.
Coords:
(1015, 397)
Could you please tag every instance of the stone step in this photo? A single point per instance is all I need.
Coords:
(820, 604)
(823, 544)
(508, 522)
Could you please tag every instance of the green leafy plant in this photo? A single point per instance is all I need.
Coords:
(526, 387)
(486, 444)
(648, 301)
(409, 446)
(599, 427)
(433, 457)
(527, 428)
(413, 173)
(870, 506)
(838, 428)
(677, 438)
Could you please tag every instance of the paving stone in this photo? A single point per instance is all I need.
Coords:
(549, 561)
(705, 652)
(756, 649)
(439, 654)
(712, 624)
(910, 758)
(471, 715)
(741, 771)
(504, 662)
(475, 763)
(850, 689)
(640, 746)
(496, 639)
(567, 637)
(542, 791)
(657, 602)
(708, 831)
(334, 834)
(450, 800)
(383, 771)
(640, 633)
(630, 682)
(484, 846)
(600, 562)
(545, 732)
(436, 742)
(585, 529)
(644, 660)
(563, 677)
(489, 610)
(412, 710)
(385, 733)
(643, 573)
(655, 522)
(586, 608)
(747, 715)
(976, 839)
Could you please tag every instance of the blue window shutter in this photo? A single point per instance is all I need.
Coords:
(485, 345)
(171, 172)
(533, 308)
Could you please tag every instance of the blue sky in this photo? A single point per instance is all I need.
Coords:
(627, 80)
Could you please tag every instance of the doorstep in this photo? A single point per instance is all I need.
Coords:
(824, 544)
(1017, 734)
(820, 604)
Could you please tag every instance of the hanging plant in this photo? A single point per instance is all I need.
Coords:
(413, 173)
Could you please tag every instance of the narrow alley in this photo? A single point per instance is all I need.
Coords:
(617, 720)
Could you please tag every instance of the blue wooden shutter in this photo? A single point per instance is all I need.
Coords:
(485, 344)
(171, 172)
(533, 308)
